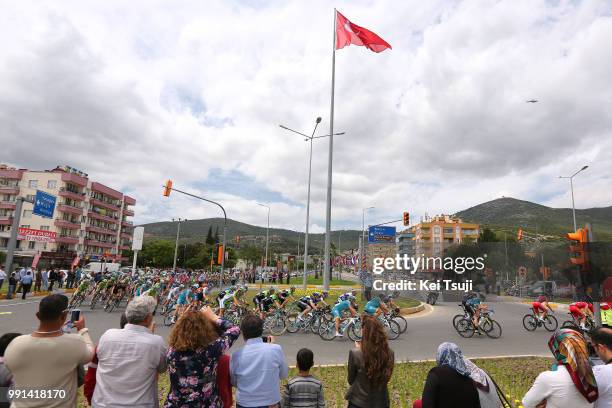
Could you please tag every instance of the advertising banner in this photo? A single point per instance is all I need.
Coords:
(29, 234)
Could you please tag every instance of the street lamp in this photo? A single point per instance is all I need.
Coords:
(571, 179)
(306, 139)
(267, 231)
(362, 246)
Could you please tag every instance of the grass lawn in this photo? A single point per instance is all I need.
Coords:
(513, 375)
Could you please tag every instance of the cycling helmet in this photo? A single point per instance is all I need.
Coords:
(325, 294)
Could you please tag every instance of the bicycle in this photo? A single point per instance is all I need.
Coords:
(532, 322)
(351, 326)
(312, 322)
(465, 327)
(573, 323)
(276, 323)
(458, 317)
(395, 315)
(391, 327)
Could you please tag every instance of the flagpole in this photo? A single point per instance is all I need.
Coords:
(326, 270)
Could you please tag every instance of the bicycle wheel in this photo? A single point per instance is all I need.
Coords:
(465, 328)
(293, 324)
(551, 323)
(354, 332)
(456, 320)
(327, 330)
(529, 322)
(569, 324)
(168, 320)
(393, 330)
(493, 330)
(277, 326)
(94, 302)
(401, 322)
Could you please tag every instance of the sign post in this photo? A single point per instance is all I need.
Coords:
(137, 245)
(44, 204)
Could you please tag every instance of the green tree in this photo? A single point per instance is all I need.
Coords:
(487, 235)
(158, 253)
(217, 235)
(210, 240)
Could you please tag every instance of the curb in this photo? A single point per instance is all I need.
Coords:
(412, 310)
(36, 294)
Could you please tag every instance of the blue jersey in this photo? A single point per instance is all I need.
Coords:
(473, 301)
(184, 296)
(374, 303)
(342, 306)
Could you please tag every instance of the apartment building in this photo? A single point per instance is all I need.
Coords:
(433, 235)
(91, 221)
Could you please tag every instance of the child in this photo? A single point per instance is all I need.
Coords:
(303, 390)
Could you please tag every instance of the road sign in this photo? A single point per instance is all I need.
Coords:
(381, 235)
(44, 204)
(137, 238)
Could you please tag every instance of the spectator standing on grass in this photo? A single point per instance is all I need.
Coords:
(304, 390)
(12, 285)
(90, 375)
(26, 284)
(571, 382)
(257, 368)
(48, 358)
(601, 339)
(129, 360)
(2, 277)
(52, 279)
(37, 280)
(45, 279)
(370, 366)
(194, 350)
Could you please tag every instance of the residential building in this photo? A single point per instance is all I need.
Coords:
(91, 221)
(405, 242)
(434, 235)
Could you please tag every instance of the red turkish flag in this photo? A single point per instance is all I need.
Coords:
(348, 33)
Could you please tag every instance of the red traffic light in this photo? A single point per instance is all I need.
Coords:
(406, 218)
(167, 188)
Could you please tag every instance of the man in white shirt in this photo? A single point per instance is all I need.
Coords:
(2, 277)
(602, 342)
(129, 360)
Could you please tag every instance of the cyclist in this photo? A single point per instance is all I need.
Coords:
(225, 296)
(306, 304)
(172, 294)
(347, 295)
(580, 311)
(348, 304)
(475, 306)
(258, 298)
(285, 296)
(185, 296)
(377, 305)
(540, 305)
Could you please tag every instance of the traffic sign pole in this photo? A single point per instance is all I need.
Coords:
(12, 244)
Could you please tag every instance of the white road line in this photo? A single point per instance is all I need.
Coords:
(20, 303)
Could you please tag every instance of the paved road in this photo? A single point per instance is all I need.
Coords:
(420, 341)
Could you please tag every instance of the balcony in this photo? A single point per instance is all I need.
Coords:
(61, 223)
(101, 244)
(129, 200)
(70, 208)
(6, 219)
(71, 194)
(11, 174)
(74, 179)
(102, 217)
(124, 248)
(125, 234)
(67, 239)
(104, 204)
(127, 223)
(101, 188)
(100, 230)
(7, 205)
(128, 212)
(9, 190)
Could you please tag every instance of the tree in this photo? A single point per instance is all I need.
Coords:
(159, 253)
(210, 240)
(217, 235)
(487, 235)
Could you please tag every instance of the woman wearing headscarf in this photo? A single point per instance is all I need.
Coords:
(449, 384)
(571, 382)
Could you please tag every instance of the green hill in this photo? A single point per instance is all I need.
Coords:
(281, 240)
(509, 214)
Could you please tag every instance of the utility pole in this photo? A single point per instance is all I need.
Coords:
(178, 231)
(12, 243)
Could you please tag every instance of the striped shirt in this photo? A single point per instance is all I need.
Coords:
(303, 392)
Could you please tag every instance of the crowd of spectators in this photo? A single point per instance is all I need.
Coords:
(124, 368)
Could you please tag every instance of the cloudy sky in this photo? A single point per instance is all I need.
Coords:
(137, 92)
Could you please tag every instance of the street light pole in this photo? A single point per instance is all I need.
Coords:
(267, 232)
(311, 139)
(362, 246)
(571, 179)
(178, 231)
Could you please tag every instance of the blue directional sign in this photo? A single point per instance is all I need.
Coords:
(381, 235)
(44, 204)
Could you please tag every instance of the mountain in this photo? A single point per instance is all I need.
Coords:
(281, 240)
(509, 213)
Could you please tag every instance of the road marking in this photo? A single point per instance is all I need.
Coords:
(5, 313)
(19, 303)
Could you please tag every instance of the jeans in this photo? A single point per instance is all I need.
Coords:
(25, 288)
(11, 290)
(45, 284)
(1, 283)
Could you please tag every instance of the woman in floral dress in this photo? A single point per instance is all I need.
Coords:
(195, 347)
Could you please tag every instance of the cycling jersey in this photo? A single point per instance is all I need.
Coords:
(224, 298)
(184, 297)
(341, 307)
(173, 293)
(542, 299)
(372, 306)
(473, 302)
(344, 296)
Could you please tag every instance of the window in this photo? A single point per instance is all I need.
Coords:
(44, 228)
(31, 244)
(52, 184)
(33, 183)
(436, 230)
(448, 230)
(25, 225)
(27, 213)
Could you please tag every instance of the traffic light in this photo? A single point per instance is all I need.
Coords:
(406, 218)
(167, 188)
(220, 254)
(519, 234)
(578, 247)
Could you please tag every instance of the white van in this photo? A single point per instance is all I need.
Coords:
(102, 266)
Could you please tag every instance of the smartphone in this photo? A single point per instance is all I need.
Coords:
(75, 315)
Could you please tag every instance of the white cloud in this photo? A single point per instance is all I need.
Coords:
(134, 93)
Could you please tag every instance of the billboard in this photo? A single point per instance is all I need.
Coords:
(381, 235)
(29, 234)
(137, 238)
